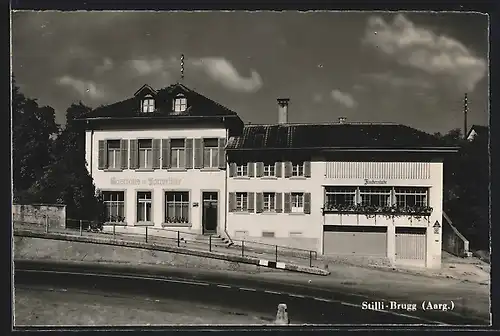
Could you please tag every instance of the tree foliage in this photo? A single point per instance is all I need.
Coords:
(49, 162)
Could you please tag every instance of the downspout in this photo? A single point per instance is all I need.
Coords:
(226, 195)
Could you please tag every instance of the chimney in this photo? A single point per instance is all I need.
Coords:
(283, 110)
(466, 109)
(342, 120)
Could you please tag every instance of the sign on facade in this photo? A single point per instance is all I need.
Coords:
(377, 182)
(149, 181)
(436, 227)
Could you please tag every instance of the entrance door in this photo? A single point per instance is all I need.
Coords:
(210, 212)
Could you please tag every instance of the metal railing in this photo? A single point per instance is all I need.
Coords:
(176, 238)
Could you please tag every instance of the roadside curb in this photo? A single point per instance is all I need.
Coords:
(179, 250)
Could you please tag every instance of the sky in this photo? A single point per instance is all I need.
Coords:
(408, 68)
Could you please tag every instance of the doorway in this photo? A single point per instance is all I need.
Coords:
(210, 212)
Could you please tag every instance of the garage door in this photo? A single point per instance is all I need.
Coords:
(355, 240)
(410, 244)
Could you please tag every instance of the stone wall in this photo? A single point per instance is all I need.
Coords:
(55, 214)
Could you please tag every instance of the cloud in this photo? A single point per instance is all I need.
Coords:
(344, 98)
(399, 81)
(107, 64)
(422, 49)
(222, 71)
(84, 88)
(317, 97)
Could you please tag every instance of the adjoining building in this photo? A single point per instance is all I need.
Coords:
(176, 159)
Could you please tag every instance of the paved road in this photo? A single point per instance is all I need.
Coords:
(305, 305)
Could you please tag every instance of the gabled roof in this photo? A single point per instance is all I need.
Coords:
(479, 130)
(198, 105)
(333, 136)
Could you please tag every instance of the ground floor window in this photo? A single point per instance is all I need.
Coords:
(144, 205)
(176, 207)
(241, 201)
(297, 202)
(114, 202)
(269, 202)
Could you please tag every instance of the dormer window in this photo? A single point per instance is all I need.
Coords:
(180, 104)
(148, 104)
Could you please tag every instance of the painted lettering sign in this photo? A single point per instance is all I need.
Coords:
(149, 181)
(369, 181)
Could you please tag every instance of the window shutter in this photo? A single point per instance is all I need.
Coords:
(222, 153)
(156, 153)
(188, 144)
(103, 155)
(231, 203)
(259, 202)
(260, 169)
(198, 153)
(287, 208)
(288, 169)
(278, 167)
(124, 153)
(134, 154)
(232, 169)
(279, 202)
(251, 202)
(165, 153)
(251, 169)
(307, 203)
(307, 169)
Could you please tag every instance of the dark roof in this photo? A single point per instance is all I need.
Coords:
(479, 129)
(335, 135)
(198, 105)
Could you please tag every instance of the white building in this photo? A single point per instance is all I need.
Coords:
(340, 189)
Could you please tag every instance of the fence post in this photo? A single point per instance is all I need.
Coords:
(114, 230)
(242, 248)
(146, 234)
(210, 243)
(46, 224)
(276, 253)
(178, 238)
(310, 258)
(81, 227)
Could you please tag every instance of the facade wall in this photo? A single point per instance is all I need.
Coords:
(160, 179)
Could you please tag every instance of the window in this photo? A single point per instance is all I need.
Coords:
(410, 197)
(180, 104)
(148, 105)
(297, 202)
(340, 196)
(378, 197)
(241, 201)
(269, 170)
(242, 170)
(269, 202)
(114, 203)
(114, 154)
(298, 169)
(177, 153)
(210, 153)
(267, 234)
(177, 207)
(144, 204)
(145, 153)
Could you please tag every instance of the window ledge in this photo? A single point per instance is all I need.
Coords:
(297, 213)
(144, 224)
(241, 212)
(269, 177)
(177, 169)
(113, 170)
(116, 223)
(298, 178)
(176, 224)
(144, 170)
(268, 213)
(210, 169)
(241, 177)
